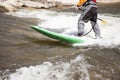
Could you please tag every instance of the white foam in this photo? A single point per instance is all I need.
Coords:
(56, 71)
(109, 32)
(60, 21)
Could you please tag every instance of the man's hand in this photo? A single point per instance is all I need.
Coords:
(81, 8)
(75, 7)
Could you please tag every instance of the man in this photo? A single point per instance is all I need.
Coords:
(89, 13)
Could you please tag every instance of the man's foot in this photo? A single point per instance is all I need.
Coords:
(80, 34)
(98, 37)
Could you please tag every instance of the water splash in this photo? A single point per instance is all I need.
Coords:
(109, 31)
(75, 69)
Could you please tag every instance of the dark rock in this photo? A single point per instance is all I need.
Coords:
(3, 9)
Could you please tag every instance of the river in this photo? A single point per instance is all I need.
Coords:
(95, 59)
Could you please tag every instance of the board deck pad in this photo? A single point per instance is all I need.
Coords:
(58, 36)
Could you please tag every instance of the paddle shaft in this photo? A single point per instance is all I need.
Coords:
(102, 20)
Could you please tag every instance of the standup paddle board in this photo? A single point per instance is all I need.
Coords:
(58, 36)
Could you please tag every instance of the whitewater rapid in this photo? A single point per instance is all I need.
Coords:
(109, 31)
(68, 22)
(54, 71)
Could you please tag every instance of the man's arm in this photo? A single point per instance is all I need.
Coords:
(81, 2)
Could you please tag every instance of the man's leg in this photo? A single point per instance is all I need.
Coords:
(84, 18)
(80, 27)
(96, 29)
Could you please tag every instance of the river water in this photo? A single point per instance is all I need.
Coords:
(95, 59)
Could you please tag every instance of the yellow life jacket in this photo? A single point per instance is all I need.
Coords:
(81, 2)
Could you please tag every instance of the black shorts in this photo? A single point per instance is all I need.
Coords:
(90, 15)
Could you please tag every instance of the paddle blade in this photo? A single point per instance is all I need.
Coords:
(103, 21)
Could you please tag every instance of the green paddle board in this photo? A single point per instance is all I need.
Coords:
(58, 36)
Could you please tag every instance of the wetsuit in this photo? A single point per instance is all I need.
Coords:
(89, 12)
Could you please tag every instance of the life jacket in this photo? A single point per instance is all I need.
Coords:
(82, 2)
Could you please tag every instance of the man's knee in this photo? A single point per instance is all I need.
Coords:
(80, 21)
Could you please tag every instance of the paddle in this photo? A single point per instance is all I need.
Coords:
(105, 22)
